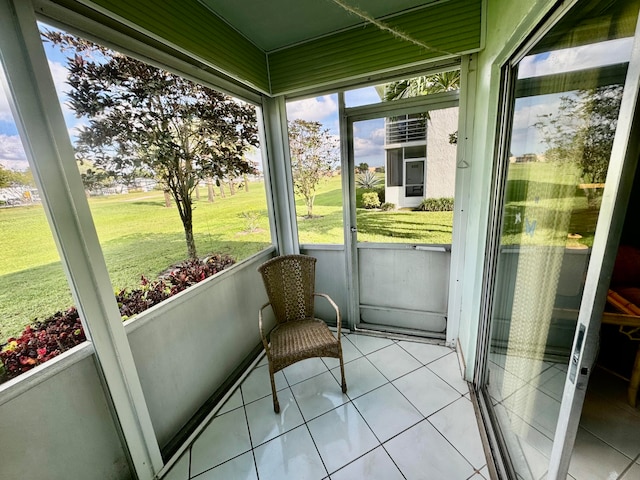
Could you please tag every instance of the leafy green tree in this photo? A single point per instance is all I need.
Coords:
(582, 132)
(15, 177)
(145, 120)
(5, 177)
(362, 167)
(424, 85)
(314, 154)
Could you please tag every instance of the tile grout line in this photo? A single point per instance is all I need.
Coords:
(246, 419)
(306, 424)
(628, 467)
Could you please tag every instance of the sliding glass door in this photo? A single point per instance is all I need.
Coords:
(555, 195)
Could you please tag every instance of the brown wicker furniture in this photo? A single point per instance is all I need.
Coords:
(298, 335)
(629, 324)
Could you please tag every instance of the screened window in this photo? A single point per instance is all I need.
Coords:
(395, 163)
(314, 146)
(37, 322)
(171, 169)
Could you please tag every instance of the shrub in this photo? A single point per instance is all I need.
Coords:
(385, 207)
(41, 342)
(188, 273)
(381, 194)
(134, 301)
(444, 204)
(44, 340)
(370, 200)
(368, 180)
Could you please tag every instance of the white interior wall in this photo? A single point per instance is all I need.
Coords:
(61, 427)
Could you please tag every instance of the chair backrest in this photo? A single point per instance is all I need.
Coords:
(290, 284)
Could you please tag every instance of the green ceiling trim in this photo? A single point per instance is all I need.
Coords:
(190, 26)
(453, 27)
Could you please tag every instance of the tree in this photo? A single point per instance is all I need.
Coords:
(314, 153)
(582, 132)
(5, 177)
(145, 120)
(10, 178)
(363, 167)
(424, 85)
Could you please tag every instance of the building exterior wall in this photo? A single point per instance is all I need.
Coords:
(441, 154)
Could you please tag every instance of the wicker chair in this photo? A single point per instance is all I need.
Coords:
(290, 283)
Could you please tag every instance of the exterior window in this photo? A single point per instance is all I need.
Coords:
(395, 162)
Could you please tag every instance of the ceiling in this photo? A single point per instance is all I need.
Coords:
(275, 24)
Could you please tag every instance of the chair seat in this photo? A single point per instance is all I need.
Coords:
(301, 339)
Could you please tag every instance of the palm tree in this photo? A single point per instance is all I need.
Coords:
(424, 85)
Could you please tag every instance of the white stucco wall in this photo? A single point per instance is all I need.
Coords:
(441, 155)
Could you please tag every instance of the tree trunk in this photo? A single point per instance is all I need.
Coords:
(197, 193)
(187, 223)
(246, 183)
(309, 203)
(221, 190)
(232, 188)
(167, 199)
(210, 193)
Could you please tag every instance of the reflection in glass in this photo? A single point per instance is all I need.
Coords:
(565, 113)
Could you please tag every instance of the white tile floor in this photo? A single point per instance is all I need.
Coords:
(608, 441)
(405, 416)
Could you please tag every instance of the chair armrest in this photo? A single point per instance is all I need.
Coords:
(264, 339)
(335, 307)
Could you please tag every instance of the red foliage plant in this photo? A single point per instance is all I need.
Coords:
(44, 340)
(41, 342)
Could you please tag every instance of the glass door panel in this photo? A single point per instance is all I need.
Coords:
(402, 252)
(568, 91)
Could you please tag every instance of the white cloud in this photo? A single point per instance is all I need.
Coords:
(59, 73)
(576, 58)
(12, 154)
(369, 147)
(313, 109)
(526, 138)
(5, 111)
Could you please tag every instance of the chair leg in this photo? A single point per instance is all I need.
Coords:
(344, 381)
(276, 404)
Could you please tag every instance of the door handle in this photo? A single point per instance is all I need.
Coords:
(575, 356)
(353, 229)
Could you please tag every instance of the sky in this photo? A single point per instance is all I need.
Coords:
(12, 154)
(368, 135)
(526, 138)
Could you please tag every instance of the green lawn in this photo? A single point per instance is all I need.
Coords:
(547, 194)
(140, 236)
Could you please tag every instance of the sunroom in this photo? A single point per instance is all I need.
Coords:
(512, 311)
